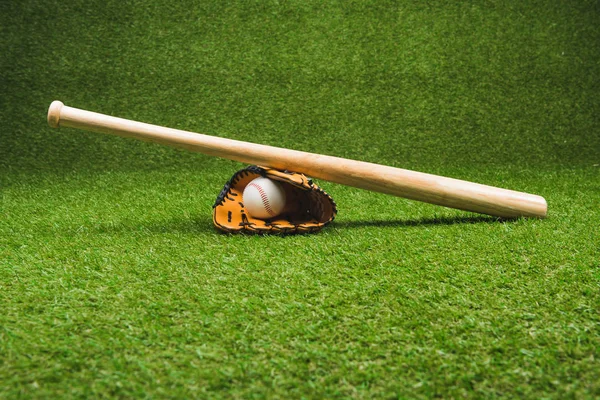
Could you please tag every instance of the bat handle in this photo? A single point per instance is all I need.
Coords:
(54, 113)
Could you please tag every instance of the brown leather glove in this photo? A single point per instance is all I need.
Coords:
(308, 208)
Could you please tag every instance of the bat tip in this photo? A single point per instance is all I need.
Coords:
(54, 113)
(544, 212)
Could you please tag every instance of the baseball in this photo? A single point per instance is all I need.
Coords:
(264, 198)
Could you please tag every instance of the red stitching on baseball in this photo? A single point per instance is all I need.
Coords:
(264, 197)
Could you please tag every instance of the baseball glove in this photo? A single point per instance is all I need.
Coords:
(308, 208)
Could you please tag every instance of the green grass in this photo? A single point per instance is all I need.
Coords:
(113, 282)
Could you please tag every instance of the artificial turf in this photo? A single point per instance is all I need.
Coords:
(113, 282)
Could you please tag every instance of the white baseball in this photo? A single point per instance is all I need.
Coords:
(264, 198)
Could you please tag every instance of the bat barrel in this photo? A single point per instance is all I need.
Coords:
(413, 185)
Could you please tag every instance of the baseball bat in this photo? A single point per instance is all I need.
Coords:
(409, 184)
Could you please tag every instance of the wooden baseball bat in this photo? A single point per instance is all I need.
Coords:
(413, 185)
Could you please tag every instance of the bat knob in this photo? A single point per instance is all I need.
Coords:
(54, 113)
